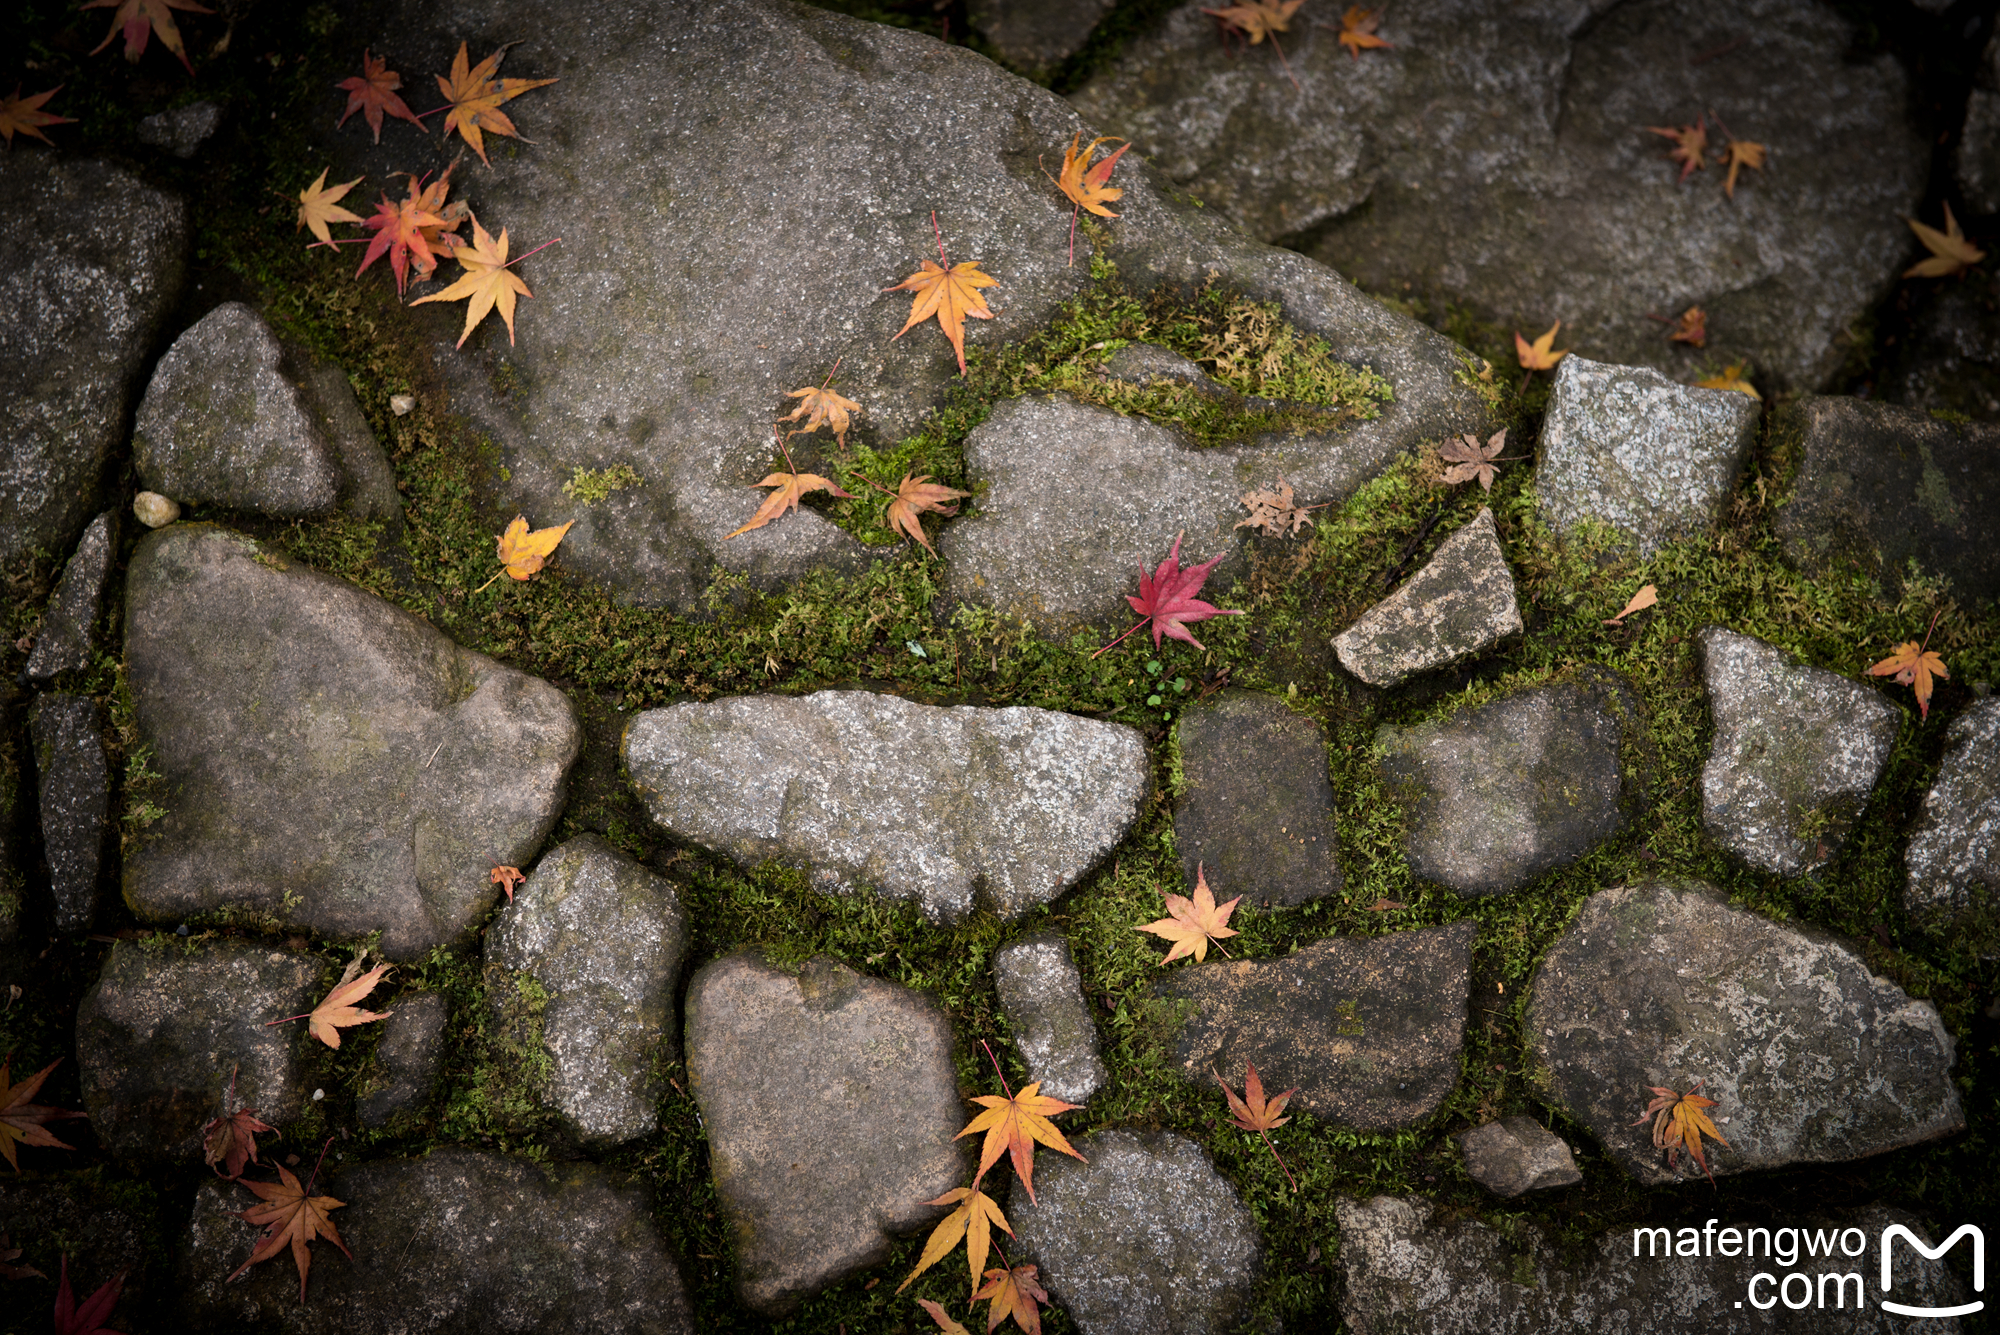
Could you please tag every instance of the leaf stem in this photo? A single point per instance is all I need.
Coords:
(996, 1067)
(536, 251)
(940, 240)
(316, 1163)
(302, 1014)
(1281, 1161)
(1120, 640)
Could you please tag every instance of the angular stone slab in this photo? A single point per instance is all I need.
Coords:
(1460, 603)
(1797, 751)
(863, 1072)
(605, 938)
(1519, 786)
(919, 802)
(1043, 1000)
(68, 634)
(1811, 1058)
(1625, 446)
(1144, 1237)
(406, 1060)
(1954, 853)
(68, 733)
(1369, 1029)
(456, 1241)
(161, 1030)
(91, 260)
(331, 762)
(1258, 809)
(1516, 1155)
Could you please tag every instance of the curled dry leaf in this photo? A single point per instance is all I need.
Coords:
(1738, 154)
(1386, 905)
(1192, 923)
(1950, 252)
(372, 93)
(820, 407)
(1257, 19)
(1538, 356)
(1914, 665)
(24, 115)
(140, 19)
(1357, 30)
(290, 1217)
(1692, 329)
(22, 1122)
(1731, 377)
(506, 878)
(1679, 1123)
(9, 1254)
(486, 282)
(1013, 1293)
(790, 486)
(1274, 514)
(1469, 459)
(1690, 146)
(523, 553)
(1646, 597)
(319, 206)
(916, 495)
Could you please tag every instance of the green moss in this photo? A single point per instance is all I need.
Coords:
(592, 485)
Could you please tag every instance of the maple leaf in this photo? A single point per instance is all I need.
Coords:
(939, 1315)
(140, 19)
(1537, 356)
(1690, 146)
(473, 97)
(1013, 1293)
(319, 206)
(231, 1138)
(338, 1011)
(1166, 599)
(21, 1121)
(1257, 19)
(1274, 514)
(1254, 1112)
(915, 495)
(1731, 378)
(820, 407)
(1012, 1125)
(1679, 1124)
(1643, 599)
(506, 878)
(1740, 153)
(373, 92)
(1692, 329)
(487, 281)
(948, 291)
(1950, 252)
(9, 1254)
(89, 1316)
(1914, 664)
(1469, 459)
(523, 553)
(971, 1222)
(290, 1216)
(790, 486)
(25, 115)
(405, 231)
(1192, 923)
(1084, 184)
(1357, 30)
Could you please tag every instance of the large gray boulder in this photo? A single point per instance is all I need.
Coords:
(628, 355)
(936, 805)
(1036, 34)
(1460, 603)
(331, 762)
(1499, 161)
(1954, 853)
(1810, 1058)
(90, 262)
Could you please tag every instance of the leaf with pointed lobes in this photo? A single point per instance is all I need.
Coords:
(230, 1141)
(406, 230)
(1692, 329)
(24, 115)
(820, 407)
(971, 1222)
(790, 487)
(952, 295)
(1013, 1125)
(373, 92)
(1357, 30)
(1274, 513)
(485, 284)
(1013, 1293)
(474, 97)
(1166, 599)
(291, 1217)
(1690, 146)
(523, 553)
(1950, 252)
(319, 206)
(1469, 459)
(1257, 19)
(89, 1316)
(338, 1011)
(1539, 355)
(1912, 664)
(1679, 1123)
(1254, 1112)
(942, 1317)
(1731, 378)
(1192, 923)
(506, 878)
(21, 1121)
(140, 19)
(919, 494)
(1084, 183)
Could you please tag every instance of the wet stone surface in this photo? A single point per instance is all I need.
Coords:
(67, 636)
(1054, 1032)
(1516, 1155)
(407, 1061)
(1954, 854)
(75, 783)
(1460, 603)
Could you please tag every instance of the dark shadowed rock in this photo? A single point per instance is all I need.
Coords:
(1369, 1029)
(1521, 785)
(1946, 363)
(1954, 854)
(919, 802)
(1053, 1032)
(331, 762)
(1797, 751)
(863, 1071)
(1879, 486)
(1977, 159)
(605, 938)
(406, 1060)
(1258, 808)
(1035, 34)
(159, 1035)
(1461, 602)
(90, 261)
(68, 633)
(1810, 1058)
(455, 1243)
(181, 131)
(1516, 1155)
(101, 1223)
(1625, 446)
(1144, 1237)
(75, 780)
(1499, 161)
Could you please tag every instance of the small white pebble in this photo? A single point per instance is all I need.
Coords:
(318, 1094)
(402, 404)
(155, 510)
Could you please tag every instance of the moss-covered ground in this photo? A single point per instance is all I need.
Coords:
(886, 629)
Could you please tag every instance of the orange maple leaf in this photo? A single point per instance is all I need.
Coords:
(1914, 664)
(319, 206)
(486, 281)
(1192, 924)
(506, 878)
(790, 487)
(942, 1317)
(523, 553)
(1692, 329)
(948, 291)
(338, 1011)
(140, 19)
(1679, 1124)
(820, 407)
(913, 496)
(1357, 30)
(1085, 184)
(1013, 1293)
(1258, 19)
(290, 1216)
(22, 1122)
(373, 92)
(25, 115)
(1254, 1112)
(1950, 252)
(1012, 1125)
(1740, 153)
(1731, 377)
(971, 1222)
(473, 97)
(1537, 356)
(405, 230)
(1690, 146)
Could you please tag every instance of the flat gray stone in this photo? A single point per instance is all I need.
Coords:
(1811, 1058)
(1516, 1155)
(1797, 751)
(605, 939)
(1257, 812)
(90, 262)
(67, 636)
(1954, 854)
(1042, 997)
(455, 1242)
(1503, 792)
(1625, 446)
(1144, 1237)
(159, 1034)
(181, 131)
(331, 762)
(1369, 1029)
(407, 1059)
(1035, 34)
(863, 1070)
(75, 784)
(1460, 603)
(918, 802)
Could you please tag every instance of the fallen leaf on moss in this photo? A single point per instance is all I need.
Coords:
(1914, 665)
(373, 92)
(319, 206)
(1274, 514)
(140, 19)
(943, 1319)
(915, 496)
(21, 1121)
(24, 115)
(1646, 597)
(1690, 146)
(290, 1217)
(1469, 459)
(1679, 1123)
(89, 1316)
(1254, 1112)
(971, 1222)
(523, 553)
(1013, 1293)
(405, 230)
(1386, 905)
(1537, 356)
(1192, 923)
(1950, 252)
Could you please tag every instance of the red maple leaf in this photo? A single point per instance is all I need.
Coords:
(372, 92)
(89, 1316)
(1167, 599)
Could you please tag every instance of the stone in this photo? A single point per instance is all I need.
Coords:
(1953, 860)
(605, 939)
(1369, 1029)
(1042, 997)
(1034, 35)
(1257, 809)
(862, 1070)
(154, 510)
(407, 1059)
(1460, 603)
(636, 362)
(1797, 751)
(235, 418)
(103, 1223)
(333, 763)
(1976, 159)
(919, 802)
(68, 634)
(1626, 447)
(1407, 1272)
(91, 260)
(1945, 362)
(1395, 170)
(160, 1033)
(181, 131)
(455, 1241)
(1880, 486)
(1810, 1058)
(1500, 793)
(75, 787)
(1146, 1236)
(1516, 1155)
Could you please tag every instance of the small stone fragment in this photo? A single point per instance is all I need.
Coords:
(154, 510)
(68, 734)
(1053, 1031)
(1460, 603)
(1954, 854)
(406, 1060)
(181, 131)
(1516, 1155)
(68, 633)
(402, 404)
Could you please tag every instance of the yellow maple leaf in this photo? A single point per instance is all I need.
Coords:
(1950, 252)
(971, 1222)
(1085, 183)
(1257, 19)
(1732, 378)
(1192, 924)
(1012, 1125)
(951, 295)
(474, 97)
(487, 282)
(1912, 664)
(790, 486)
(1537, 356)
(25, 115)
(523, 553)
(820, 407)
(1740, 153)
(319, 206)
(1357, 30)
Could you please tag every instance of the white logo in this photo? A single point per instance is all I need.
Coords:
(1894, 1231)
